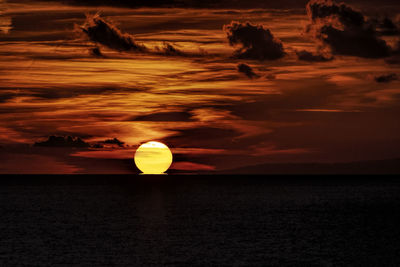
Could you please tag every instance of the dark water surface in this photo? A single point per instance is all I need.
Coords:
(191, 221)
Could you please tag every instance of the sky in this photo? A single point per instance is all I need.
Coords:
(226, 85)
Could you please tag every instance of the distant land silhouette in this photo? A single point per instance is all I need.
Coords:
(389, 166)
(61, 141)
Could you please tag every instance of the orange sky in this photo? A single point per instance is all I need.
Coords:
(212, 116)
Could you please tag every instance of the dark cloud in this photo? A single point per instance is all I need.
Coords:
(386, 78)
(109, 143)
(62, 141)
(96, 52)
(344, 30)
(255, 41)
(247, 70)
(308, 56)
(114, 141)
(103, 32)
(70, 141)
(321, 9)
(387, 27)
(169, 50)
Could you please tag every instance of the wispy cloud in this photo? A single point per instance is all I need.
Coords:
(5, 21)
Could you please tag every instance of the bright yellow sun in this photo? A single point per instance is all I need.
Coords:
(153, 158)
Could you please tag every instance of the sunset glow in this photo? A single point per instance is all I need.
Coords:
(187, 77)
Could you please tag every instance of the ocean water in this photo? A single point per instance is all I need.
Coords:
(200, 222)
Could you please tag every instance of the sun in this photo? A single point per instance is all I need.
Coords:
(153, 158)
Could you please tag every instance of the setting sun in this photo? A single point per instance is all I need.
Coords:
(153, 158)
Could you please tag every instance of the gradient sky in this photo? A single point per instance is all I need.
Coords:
(211, 116)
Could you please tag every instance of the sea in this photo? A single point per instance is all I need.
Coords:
(189, 220)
